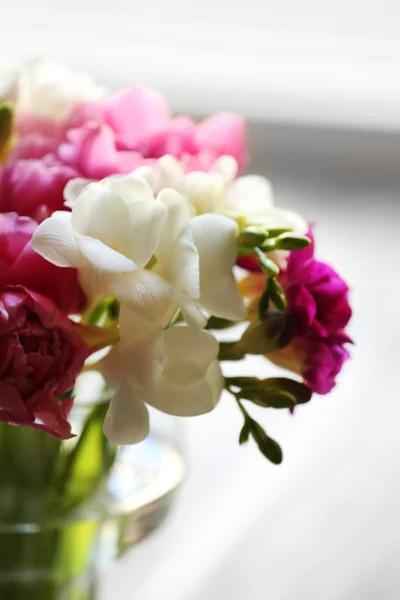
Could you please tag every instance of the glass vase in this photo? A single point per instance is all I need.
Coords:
(68, 509)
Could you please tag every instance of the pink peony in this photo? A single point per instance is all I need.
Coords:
(21, 265)
(40, 358)
(34, 187)
(317, 313)
(134, 127)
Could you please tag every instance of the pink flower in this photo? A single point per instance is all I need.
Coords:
(40, 358)
(21, 265)
(317, 314)
(34, 187)
(135, 127)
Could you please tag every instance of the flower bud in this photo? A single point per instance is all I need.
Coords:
(252, 236)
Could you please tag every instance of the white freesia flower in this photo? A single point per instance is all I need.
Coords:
(50, 90)
(218, 191)
(110, 235)
(145, 251)
(174, 370)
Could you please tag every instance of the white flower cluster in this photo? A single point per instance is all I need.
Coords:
(163, 244)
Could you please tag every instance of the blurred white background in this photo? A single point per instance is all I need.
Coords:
(320, 84)
(306, 61)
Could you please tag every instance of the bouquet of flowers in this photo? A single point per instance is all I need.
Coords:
(128, 238)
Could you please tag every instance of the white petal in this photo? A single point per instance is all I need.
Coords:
(215, 239)
(177, 256)
(146, 173)
(170, 171)
(276, 218)
(249, 195)
(147, 217)
(100, 214)
(192, 400)
(84, 207)
(216, 381)
(192, 312)
(127, 420)
(192, 345)
(131, 188)
(191, 381)
(133, 326)
(95, 283)
(203, 190)
(177, 217)
(122, 213)
(103, 257)
(54, 240)
(73, 188)
(138, 361)
(145, 293)
(227, 167)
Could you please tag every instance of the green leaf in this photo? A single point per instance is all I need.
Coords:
(300, 391)
(277, 294)
(105, 314)
(266, 264)
(269, 398)
(263, 392)
(263, 304)
(95, 337)
(251, 387)
(242, 381)
(6, 126)
(217, 323)
(229, 351)
(87, 463)
(263, 337)
(244, 433)
(267, 446)
(291, 241)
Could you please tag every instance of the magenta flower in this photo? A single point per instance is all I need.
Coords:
(317, 314)
(134, 127)
(40, 358)
(21, 265)
(34, 187)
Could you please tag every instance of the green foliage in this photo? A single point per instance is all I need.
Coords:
(263, 337)
(245, 433)
(263, 304)
(276, 294)
(217, 323)
(291, 241)
(229, 351)
(82, 469)
(252, 236)
(266, 264)
(105, 314)
(6, 126)
(267, 446)
(274, 392)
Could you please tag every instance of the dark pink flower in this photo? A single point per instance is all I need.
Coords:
(40, 357)
(134, 127)
(317, 313)
(34, 187)
(21, 265)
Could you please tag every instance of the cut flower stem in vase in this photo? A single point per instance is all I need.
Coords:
(67, 509)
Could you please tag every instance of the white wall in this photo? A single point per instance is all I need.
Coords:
(302, 61)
